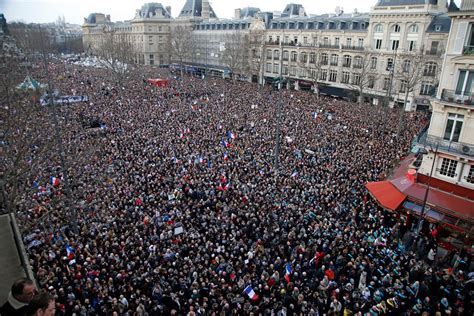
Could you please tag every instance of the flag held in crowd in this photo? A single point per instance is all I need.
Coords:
(288, 272)
(226, 157)
(54, 181)
(314, 115)
(230, 135)
(251, 294)
(70, 252)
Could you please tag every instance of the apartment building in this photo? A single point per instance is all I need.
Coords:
(148, 31)
(340, 54)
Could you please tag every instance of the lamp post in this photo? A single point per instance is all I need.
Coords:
(71, 210)
(425, 199)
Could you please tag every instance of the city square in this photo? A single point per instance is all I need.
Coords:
(189, 184)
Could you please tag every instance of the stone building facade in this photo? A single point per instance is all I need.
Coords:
(302, 48)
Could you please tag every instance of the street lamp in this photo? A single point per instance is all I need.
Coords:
(425, 199)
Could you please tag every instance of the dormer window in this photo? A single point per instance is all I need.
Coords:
(438, 28)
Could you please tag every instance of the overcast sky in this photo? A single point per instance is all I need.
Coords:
(75, 10)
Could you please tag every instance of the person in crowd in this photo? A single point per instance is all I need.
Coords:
(22, 292)
(42, 304)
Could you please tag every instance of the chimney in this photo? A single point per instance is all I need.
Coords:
(168, 8)
(205, 12)
(237, 14)
(301, 11)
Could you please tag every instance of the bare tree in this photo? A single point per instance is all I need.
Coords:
(363, 74)
(410, 72)
(116, 53)
(182, 44)
(235, 54)
(315, 67)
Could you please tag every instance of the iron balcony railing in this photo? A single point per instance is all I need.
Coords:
(445, 145)
(453, 96)
(468, 50)
(352, 47)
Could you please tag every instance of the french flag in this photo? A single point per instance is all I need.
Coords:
(70, 252)
(225, 144)
(226, 157)
(314, 115)
(288, 271)
(181, 135)
(230, 135)
(54, 181)
(251, 294)
(227, 186)
(201, 160)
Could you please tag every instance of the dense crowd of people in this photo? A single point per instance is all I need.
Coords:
(182, 211)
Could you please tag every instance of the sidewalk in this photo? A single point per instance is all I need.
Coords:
(10, 263)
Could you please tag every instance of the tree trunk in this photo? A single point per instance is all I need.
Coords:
(401, 117)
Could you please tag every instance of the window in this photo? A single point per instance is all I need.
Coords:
(394, 44)
(276, 68)
(411, 46)
(292, 71)
(315, 40)
(304, 58)
(305, 40)
(269, 54)
(378, 28)
(152, 59)
(284, 70)
(434, 47)
(465, 80)
(403, 86)
(358, 62)
(430, 69)
(396, 28)
(345, 77)
(349, 42)
(426, 88)
(312, 58)
(347, 61)
(324, 59)
(334, 59)
(360, 42)
(389, 64)
(453, 127)
(159, 28)
(373, 63)
(470, 175)
(294, 56)
(378, 44)
(413, 28)
(386, 83)
(438, 28)
(406, 65)
(277, 40)
(324, 74)
(326, 40)
(276, 54)
(333, 75)
(150, 40)
(336, 41)
(286, 55)
(356, 79)
(269, 67)
(371, 82)
(448, 167)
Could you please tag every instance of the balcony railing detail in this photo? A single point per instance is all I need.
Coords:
(458, 97)
(468, 50)
(445, 145)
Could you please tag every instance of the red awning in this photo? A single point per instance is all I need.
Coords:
(158, 82)
(386, 194)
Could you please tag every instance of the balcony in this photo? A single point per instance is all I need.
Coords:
(351, 47)
(445, 145)
(326, 45)
(468, 50)
(452, 96)
(432, 53)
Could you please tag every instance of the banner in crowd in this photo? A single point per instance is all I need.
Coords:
(65, 99)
